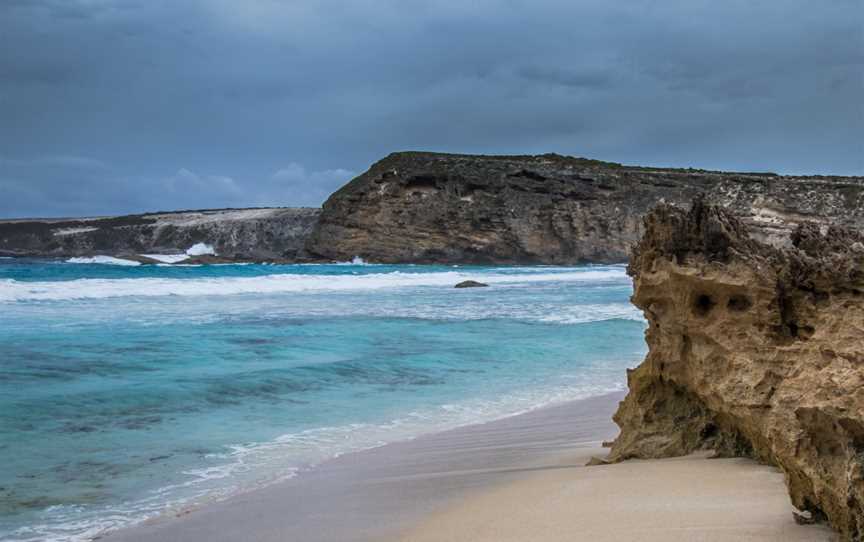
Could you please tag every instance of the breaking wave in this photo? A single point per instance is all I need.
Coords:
(104, 260)
(13, 290)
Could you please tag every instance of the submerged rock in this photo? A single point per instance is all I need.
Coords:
(144, 260)
(754, 350)
(471, 284)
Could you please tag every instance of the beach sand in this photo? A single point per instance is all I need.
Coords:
(682, 499)
(522, 478)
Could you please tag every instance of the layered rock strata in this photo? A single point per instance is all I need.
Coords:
(551, 209)
(420, 207)
(754, 350)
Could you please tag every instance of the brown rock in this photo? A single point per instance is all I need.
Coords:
(423, 207)
(755, 351)
(551, 209)
(138, 258)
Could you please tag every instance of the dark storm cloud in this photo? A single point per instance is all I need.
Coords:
(122, 105)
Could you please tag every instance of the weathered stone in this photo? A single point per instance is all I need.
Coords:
(448, 208)
(753, 350)
(236, 234)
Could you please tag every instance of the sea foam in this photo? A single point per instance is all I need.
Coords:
(12, 290)
(105, 260)
(201, 249)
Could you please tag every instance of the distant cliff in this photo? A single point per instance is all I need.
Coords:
(427, 207)
(449, 208)
(240, 234)
(754, 350)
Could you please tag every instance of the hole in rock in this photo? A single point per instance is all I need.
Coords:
(703, 304)
(708, 431)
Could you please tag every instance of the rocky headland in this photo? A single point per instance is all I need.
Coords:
(550, 209)
(235, 235)
(421, 207)
(755, 349)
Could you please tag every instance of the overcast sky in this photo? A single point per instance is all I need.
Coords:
(117, 106)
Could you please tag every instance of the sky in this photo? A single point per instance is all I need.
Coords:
(122, 106)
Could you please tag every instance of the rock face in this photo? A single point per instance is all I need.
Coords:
(754, 350)
(418, 207)
(428, 207)
(257, 234)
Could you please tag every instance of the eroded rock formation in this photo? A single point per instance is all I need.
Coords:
(552, 209)
(754, 350)
(257, 234)
(421, 207)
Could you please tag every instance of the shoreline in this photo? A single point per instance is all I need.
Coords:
(381, 492)
(517, 478)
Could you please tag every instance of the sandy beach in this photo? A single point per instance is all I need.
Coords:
(680, 499)
(521, 478)
(379, 494)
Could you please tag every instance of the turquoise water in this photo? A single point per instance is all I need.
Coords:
(128, 391)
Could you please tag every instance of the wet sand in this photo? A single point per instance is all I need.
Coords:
(377, 494)
(518, 479)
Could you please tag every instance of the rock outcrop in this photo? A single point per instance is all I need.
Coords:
(420, 207)
(471, 284)
(236, 234)
(551, 209)
(754, 350)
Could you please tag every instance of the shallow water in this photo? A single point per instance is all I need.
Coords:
(127, 390)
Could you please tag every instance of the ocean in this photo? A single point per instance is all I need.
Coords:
(131, 391)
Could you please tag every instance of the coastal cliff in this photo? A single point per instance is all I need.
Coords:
(422, 207)
(238, 234)
(550, 209)
(754, 350)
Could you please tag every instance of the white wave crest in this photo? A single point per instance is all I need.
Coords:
(248, 466)
(356, 260)
(106, 260)
(201, 249)
(13, 290)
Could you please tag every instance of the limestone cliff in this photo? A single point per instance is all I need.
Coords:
(257, 234)
(415, 207)
(754, 350)
(429, 207)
